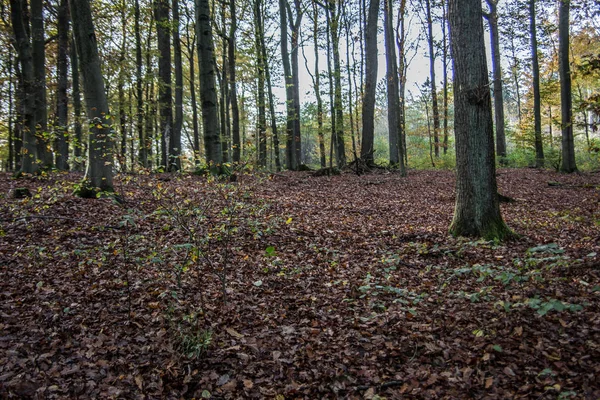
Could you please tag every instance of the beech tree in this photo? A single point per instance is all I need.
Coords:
(566, 102)
(477, 209)
(99, 173)
(368, 117)
(535, 70)
(208, 93)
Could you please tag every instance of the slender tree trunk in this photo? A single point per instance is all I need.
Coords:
(29, 153)
(537, 111)
(368, 121)
(62, 100)
(477, 210)
(492, 18)
(139, 81)
(402, 74)
(77, 143)
(235, 109)
(349, 75)
(295, 30)
(39, 71)
(121, 90)
(10, 165)
(191, 43)
(317, 86)
(274, 129)
(434, 100)
(100, 158)
(332, 144)
(292, 162)
(339, 140)
(208, 93)
(394, 129)
(445, 72)
(175, 139)
(165, 92)
(260, 74)
(150, 111)
(566, 102)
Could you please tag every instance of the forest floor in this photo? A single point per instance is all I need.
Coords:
(290, 286)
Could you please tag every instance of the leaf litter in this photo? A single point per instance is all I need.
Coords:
(362, 293)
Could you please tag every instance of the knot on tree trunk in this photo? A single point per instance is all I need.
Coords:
(479, 95)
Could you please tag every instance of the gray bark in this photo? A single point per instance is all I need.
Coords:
(477, 211)
(537, 110)
(99, 171)
(566, 102)
(62, 100)
(175, 139)
(165, 92)
(368, 121)
(208, 93)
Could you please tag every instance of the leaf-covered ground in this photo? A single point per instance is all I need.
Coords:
(292, 286)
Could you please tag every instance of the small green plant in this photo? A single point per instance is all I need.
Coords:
(195, 343)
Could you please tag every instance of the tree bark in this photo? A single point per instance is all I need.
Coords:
(175, 139)
(338, 134)
(208, 93)
(492, 18)
(477, 211)
(29, 152)
(260, 75)
(566, 102)
(76, 95)
(62, 100)
(537, 111)
(368, 121)
(235, 109)
(39, 71)
(142, 150)
(165, 92)
(434, 100)
(100, 158)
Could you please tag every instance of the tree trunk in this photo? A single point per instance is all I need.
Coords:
(566, 102)
(434, 100)
(39, 72)
(235, 109)
(29, 152)
(175, 139)
(393, 94)
(100, 158)
(10, 164)
(477, 211)
(76, 95)
(368, 121)
(537, 110)
(295, 28)
(208, 93)
(260, 74)
(165, 92)
(317, 87)
(445, 72)
(274, 129)
(62, 100)
(121, 90)
(292, 162)
(492, 18)
(339, 140)
(142, 151)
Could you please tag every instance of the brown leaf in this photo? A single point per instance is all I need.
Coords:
(489, 382)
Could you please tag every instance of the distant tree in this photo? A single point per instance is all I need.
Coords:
(99, 171)
(477, 210)
(433, 86)
(175, 138)
(165, 91)
(568, 146)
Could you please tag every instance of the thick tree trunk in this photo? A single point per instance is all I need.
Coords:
(477, 211)
(492, 18)
(100, 158)
(29, 161)
(62, 100)
(537, 110)
(121, 91)
(208, 93)
(292, 162)
(165, 92)
(274, 129)
(368, 121)
(175, 139)
(39, 71)
(566, 102)
(295, 28)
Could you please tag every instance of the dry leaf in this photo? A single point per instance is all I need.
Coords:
(233, 333)
(489, 382)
